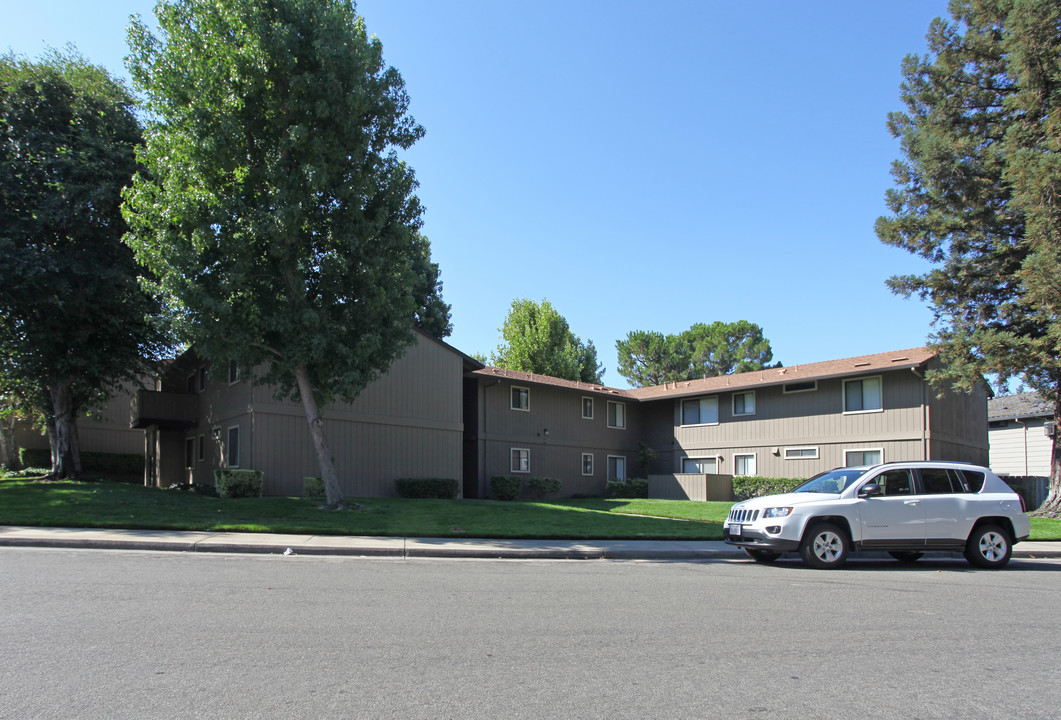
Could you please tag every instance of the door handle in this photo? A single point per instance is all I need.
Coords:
(912, 502)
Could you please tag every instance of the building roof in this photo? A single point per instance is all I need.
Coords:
(848, 367)
(1021, 405)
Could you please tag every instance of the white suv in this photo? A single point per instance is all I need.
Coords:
(902, 508)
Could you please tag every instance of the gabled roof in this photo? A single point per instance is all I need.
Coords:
(535, 379)
(848, 367)
(1021, 405)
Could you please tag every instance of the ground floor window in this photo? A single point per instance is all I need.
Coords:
(587, 463)
(616, 467)
(189, 453)
(520, 460)
(232, 449)
(853, 458)
(801, 453)
(700, 465)
(201, 455)
(744, 465)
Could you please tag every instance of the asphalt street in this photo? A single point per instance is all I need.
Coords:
(135, 634)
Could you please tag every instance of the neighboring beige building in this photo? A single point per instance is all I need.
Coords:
(439, 413)
(1019, 428)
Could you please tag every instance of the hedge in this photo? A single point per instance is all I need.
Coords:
(749, 486)
(91, 462)
(542, 486)
(506, 487)
(438, 488)
(313, 487)
(632, 488)
(238, 483)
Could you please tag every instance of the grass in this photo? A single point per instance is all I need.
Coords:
(25, 501)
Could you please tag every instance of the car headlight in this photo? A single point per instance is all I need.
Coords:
(777, 512)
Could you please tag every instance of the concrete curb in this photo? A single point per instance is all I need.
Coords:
(356, 546)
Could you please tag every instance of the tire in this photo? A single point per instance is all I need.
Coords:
(989, 547)
(907, 556)
(762, 556)
(824, 546)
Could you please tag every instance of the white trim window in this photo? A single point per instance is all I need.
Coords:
(616, 415)
(700, 411)
(202, 448)
(520, 398)
(694, 465)
(867, 456)
(232, 447)
(587, 464)
(617, 467)
(520, 460)
(587, 407)
(744, 403)
(801, 453)
(744, 464)
(189, 453)
(202, 378)
(863, 395)
(233, 372)
(800, 387)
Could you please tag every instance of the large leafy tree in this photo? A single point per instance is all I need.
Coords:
(704, 350)
(976, 194)
(536, 338)
(274, 210)
(74, 323)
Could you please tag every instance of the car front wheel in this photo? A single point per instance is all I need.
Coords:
(988, 547)
(824, 546)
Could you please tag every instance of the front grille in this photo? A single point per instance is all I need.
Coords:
(741, 515)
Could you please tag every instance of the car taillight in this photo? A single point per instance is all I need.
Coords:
(1023, 507)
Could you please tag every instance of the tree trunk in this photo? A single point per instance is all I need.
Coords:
(66, 458)
(332, 491)
(1051, 507)
(8, 447)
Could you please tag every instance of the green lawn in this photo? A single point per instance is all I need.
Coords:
(120, 505)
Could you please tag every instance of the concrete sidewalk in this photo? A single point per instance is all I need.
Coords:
(262, 543)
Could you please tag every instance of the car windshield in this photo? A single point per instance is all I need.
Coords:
(833, 482)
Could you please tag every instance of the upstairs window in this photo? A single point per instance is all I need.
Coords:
(863, 395)
(700, 411)
(520, 398)
(744, 403)
(616, 414)
(587, 408)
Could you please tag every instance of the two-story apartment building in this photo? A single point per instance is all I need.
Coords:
(439, 413)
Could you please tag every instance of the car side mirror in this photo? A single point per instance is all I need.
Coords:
(869, 490)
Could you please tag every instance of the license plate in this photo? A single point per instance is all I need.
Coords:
(734, 530)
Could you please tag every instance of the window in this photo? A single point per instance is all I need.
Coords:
(232, 450)
(520, 398)
(701, 411)
(190, 386)
(700, 465)
(616, 414)
(744, 403)
(863, 395)
(744, 465)
(189, 453)
(616, 467)
(587, 408)
(939, 481)
(233, 372)
(202, 378)
(853, 458)
(520, 460)
(798, 387)
(801, 453)
(202, 448)
(895, 482)
(587, 463)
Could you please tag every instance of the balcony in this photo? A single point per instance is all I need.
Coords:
(169, 411)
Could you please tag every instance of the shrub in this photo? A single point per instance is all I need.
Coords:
(750, 486)
(542, 486)
(506, 487)
(440, 488)
(197, 488)
(632, 488)
(35, 457)
(238, 483)
(313, 487)
(91, 462)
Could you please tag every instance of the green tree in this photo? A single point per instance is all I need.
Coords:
(976, 195)
(274, 210)
(651, 358)
(536, 338)
(74, 323)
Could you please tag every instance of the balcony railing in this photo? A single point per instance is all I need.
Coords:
(164, 409)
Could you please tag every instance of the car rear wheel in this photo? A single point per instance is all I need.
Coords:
(762, 556)
(989, 547)
(907, 556)
(824, 546)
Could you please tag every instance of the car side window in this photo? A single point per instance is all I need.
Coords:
(974, 481)
(937, 481)
(895, 482)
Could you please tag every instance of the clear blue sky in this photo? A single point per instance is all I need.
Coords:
(643, 166)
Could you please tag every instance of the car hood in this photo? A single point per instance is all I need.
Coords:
(784, 500)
